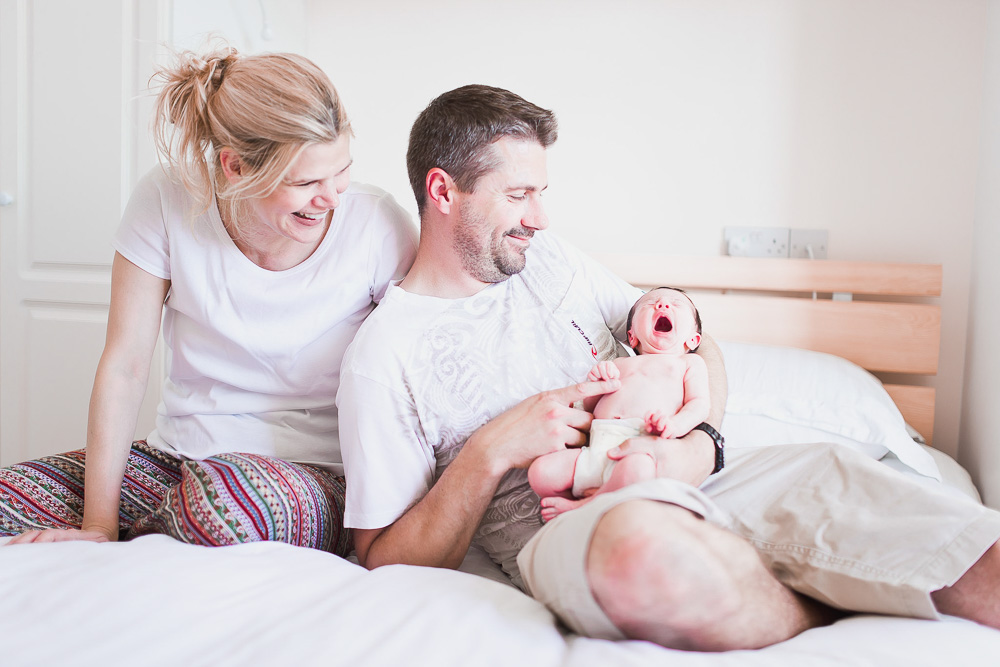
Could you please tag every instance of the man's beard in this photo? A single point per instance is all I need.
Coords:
(485, 257)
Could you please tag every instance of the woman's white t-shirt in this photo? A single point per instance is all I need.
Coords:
(254, 355)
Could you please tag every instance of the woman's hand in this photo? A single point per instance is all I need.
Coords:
(61, 535)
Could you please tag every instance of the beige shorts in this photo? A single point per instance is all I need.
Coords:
(829, 522)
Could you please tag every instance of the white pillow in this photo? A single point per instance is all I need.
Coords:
(785, 395)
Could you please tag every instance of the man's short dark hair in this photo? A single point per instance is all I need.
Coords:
(456, 132)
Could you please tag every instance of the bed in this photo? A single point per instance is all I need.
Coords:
(797, 336)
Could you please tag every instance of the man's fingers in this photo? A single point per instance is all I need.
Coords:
(638, 445)
(573, 393)
(579, 419)
(575, 438)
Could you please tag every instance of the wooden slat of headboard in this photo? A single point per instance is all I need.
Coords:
(778, 275)
(890, 337)
(917, 406)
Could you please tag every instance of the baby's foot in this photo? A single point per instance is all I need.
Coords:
(553, 506)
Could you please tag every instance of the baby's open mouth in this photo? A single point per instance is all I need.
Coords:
(663, 325)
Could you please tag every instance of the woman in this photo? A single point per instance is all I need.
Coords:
(262, 260)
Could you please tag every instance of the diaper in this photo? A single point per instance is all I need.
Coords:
(593, 467)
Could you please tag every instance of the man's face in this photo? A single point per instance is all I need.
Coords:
(499, 217)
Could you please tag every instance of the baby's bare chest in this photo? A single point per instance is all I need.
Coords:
(654, 382)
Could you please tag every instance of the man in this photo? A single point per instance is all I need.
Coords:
(436, 435)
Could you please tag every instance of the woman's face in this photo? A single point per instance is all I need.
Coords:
(300, 207)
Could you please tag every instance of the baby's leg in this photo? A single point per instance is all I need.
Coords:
(629, 470)
(552, 474)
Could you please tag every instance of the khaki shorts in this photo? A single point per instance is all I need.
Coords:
(828, 522)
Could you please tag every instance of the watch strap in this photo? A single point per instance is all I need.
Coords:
(718, 441)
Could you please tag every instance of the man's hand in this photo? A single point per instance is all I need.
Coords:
(60, 535)
(689, 459)
(541, 424)
(437, 530)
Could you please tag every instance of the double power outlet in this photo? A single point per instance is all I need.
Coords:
(775, 242)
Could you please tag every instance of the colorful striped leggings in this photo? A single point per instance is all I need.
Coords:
(222, 500)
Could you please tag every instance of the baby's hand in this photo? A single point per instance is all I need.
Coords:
(605, 370)
(657, 423)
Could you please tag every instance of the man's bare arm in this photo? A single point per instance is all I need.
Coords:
(438, 530)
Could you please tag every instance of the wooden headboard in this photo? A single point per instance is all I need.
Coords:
(877, 315)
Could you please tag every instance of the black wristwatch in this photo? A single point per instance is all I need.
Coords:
(720, 444)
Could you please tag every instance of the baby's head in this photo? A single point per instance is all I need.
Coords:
(664, 321)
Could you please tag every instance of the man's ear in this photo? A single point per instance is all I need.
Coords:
(693, 342)
(440, 190)
(232, 167)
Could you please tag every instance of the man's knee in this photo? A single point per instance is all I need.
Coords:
(663, 574)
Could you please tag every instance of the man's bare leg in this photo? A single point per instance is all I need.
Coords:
(665, 575)
(976, 595)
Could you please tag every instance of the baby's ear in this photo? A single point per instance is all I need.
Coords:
(632, 340)
(693, 343)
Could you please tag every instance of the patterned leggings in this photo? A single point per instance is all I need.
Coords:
(224, 499)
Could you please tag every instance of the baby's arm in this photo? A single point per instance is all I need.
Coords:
(693, 411)
(696, 397)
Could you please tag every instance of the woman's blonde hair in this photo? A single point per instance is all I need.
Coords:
(267, 108)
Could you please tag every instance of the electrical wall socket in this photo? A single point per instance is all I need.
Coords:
(757, 241)
(807, 243)
(776, 242)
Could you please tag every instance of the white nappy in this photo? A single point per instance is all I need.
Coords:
(593, 467)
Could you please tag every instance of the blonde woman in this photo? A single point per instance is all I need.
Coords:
(262, 259)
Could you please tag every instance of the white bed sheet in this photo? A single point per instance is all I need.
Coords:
(154, 601)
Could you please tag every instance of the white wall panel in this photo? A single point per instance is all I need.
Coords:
(74, 121)
(980, 442)
(72, 148)
(61, 339)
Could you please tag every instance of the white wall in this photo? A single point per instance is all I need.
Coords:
(251, 26)
(980, 440)
(680, 117)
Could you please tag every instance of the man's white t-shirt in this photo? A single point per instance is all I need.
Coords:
(254, 355)
(424, 373)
